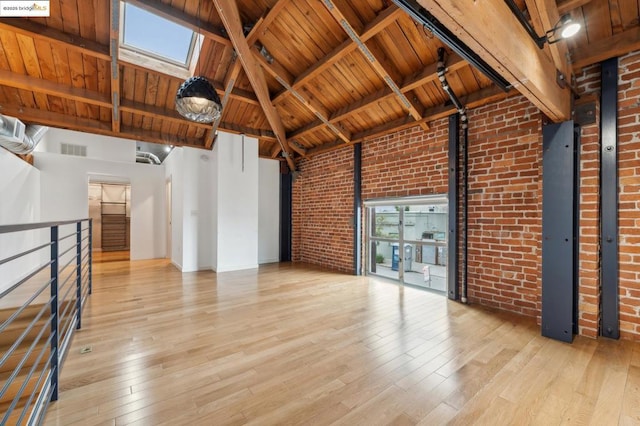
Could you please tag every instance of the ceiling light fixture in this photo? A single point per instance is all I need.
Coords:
(565, 28)
(197, 99)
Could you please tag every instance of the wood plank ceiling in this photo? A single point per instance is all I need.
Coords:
(322, 74)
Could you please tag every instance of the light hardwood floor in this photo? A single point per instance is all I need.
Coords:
(290, 344)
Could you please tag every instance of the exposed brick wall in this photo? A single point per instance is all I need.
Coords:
(588, 82)
(322, 211)
(505, 200)
(629, 213)
(407, 163)
(505, 194)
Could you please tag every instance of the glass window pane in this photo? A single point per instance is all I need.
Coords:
(385, 221)
(153, 34)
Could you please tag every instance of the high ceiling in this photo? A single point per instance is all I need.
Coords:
(305, 76)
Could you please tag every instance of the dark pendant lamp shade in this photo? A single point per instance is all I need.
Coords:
(198, 101)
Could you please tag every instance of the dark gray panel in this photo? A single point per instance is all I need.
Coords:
(609, 199)
(357, 209)
(453, 289)
(286, 188)
(558, 221)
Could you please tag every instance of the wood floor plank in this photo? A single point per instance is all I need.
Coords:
(293, 344)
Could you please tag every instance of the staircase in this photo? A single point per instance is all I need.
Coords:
(33, 350)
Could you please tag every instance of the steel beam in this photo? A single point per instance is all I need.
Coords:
(609, 200)
(357, 209)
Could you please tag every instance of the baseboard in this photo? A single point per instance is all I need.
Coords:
(236, 268)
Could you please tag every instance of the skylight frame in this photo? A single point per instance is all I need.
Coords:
(157, 62)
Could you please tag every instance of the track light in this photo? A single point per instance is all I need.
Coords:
(565, 28)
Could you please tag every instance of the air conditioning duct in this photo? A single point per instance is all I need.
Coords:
(18, 138)
(147, 157)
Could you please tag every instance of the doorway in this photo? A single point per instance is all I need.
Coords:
(110, 209)
(407, 241)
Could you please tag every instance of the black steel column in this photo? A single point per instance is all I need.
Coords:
(559, 279)
(357, 209)
(286, 213)
(609, 199)
(453, 263)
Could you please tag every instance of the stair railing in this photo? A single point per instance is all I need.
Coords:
(39, 324)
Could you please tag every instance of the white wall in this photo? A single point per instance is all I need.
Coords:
(101, 147)
(268, 211)
(19, 203)
(237, 204)
(64, 196)
(173, 170)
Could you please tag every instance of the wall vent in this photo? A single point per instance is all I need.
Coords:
(71, 149)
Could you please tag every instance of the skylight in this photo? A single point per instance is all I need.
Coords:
(155, 42)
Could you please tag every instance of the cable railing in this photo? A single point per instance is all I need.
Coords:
(36, 325)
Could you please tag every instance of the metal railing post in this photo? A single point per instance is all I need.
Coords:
(54, 313)
(79, 274)
(90, 256)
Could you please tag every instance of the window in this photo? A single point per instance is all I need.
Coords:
(153, 42)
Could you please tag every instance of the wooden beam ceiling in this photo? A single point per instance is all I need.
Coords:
(377, 63)
(514, 55)
(65, 121)
(228, 11)
(42, 32)
(306, 99)
(114, 46)
(420, 78)
(606, 48)
(234, 71)
(566, 6)
(384, 19)
(544, 16)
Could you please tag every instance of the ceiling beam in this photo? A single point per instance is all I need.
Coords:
(194, 23)
(42, 32)
(474, 100)
(64, 121)
(26, 82)
(544, 16)
(379, 66)
(306, 99)
(385, 18)
(228, 11)
(515, 56)
(566, 6)
(603, 49)
(114, 45)
(236, 66)
(420, 78)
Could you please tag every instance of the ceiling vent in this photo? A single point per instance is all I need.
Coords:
(71, 149)
(18, 138)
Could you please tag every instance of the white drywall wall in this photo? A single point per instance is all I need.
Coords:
(19, 203)
(64, 195)
(101, 147)
(237, 202)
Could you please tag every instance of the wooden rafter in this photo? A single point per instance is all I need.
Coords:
(544, 16)
(420, 78)
(94, 49)
(516, 57)
(42, 32)
(566, 6)
(474, 100)
(306, 99)
(607, 48)
(26, 82)
(114, 40)
(228, 11)
(64, 121)
(379, 66)
(383, 20)
(236, 66)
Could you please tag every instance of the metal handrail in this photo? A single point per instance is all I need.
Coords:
(54, 321)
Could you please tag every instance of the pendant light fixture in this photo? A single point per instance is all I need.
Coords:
(197, 100)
